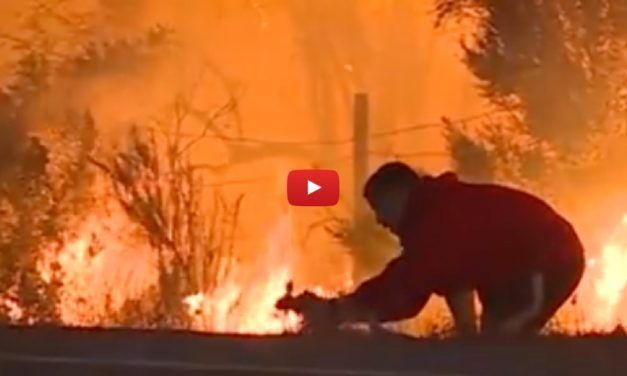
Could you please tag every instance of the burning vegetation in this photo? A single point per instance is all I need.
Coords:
(111, 221)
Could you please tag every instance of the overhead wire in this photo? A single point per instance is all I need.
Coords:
(343, 141)
(375, 135)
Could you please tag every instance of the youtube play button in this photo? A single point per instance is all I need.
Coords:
(313, 187)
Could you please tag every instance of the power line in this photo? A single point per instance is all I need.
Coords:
(385, 154)
(417, 154)
(252, 140)
(436, 154)
(237, 182)
(345, 141)
(411, 128)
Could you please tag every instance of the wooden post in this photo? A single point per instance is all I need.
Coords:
(360, 152)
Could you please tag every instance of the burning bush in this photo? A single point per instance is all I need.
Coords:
(162, 193)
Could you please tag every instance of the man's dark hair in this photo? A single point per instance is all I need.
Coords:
(390, 174)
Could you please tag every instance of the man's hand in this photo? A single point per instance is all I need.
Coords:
(319, 314)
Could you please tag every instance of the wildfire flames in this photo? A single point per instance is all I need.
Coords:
(86, 78)
(105, 262)
(103, 265)
(244, 301)
(604, 304)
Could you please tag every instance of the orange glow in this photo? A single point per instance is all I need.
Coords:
(292, 68)
(603, 288)
(14, 310)
(100, 273)
(244, 300)
(104, 262)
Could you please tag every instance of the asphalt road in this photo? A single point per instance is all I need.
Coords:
(56, 351)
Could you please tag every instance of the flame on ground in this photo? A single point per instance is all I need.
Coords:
(604, 304)
(244, 302)
(102, 268)
(106, 262)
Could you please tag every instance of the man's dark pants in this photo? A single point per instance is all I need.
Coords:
(505, 301)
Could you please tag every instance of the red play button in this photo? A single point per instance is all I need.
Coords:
(313, 187)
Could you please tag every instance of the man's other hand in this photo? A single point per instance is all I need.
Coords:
(318, 313)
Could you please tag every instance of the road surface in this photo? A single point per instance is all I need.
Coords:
(64, 351)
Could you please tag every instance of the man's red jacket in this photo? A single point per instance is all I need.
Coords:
(461, 235)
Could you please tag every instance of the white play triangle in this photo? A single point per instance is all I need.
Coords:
(312, 187)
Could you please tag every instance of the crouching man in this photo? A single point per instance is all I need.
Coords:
(521, 257)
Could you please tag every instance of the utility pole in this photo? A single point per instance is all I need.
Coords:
(360, 152)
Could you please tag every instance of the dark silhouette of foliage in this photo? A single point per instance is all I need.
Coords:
(556, 58)
(470, 159)
(557, 66)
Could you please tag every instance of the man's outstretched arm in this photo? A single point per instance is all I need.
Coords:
(399, 292)
(395, 294)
